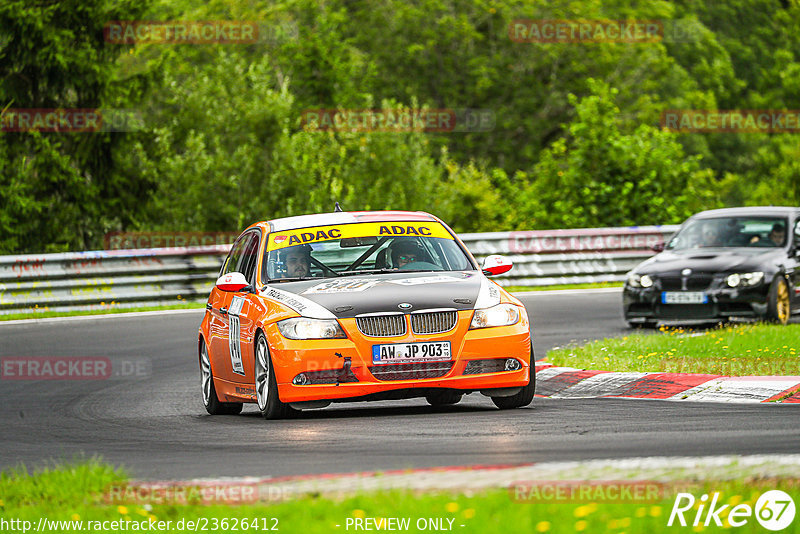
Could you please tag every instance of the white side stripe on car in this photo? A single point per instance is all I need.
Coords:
(235, 335)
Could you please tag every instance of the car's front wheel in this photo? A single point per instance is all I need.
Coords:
(524, 397)
(269, 404)
(779, 304)
(210, 400)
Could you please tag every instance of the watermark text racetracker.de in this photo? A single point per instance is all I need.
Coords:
(569, 491)
(582, 31)
(201, 493)
(74, 368)
(585, 31)
(732, 366)
(138, 240)
(398, 120)
(731, 121)
(70, 120)
(150, 524)
(180, 32)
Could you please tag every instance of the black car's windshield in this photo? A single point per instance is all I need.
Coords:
(368, 248)
(764, 232)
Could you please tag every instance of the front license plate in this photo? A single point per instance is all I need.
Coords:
(684, 297)
(429, 351)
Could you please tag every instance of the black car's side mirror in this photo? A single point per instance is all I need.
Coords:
(658, 247)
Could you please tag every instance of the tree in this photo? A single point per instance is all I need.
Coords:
(600, 176)
(58, 188)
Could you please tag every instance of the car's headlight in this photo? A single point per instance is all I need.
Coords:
(499, 315)
(744, 279)
(305, 328)
(637, 280)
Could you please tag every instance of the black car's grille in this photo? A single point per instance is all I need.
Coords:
(433, 322)
(382, 325)
(410, 371)
(698, 282)
(687, 311)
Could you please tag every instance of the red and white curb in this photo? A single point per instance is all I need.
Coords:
(570, 383)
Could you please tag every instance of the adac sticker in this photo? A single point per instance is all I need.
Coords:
(320, 234)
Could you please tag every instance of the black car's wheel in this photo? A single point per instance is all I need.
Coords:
(210, 400)
(269, 404)
(524, 397)
(779, 304)
(444, 398)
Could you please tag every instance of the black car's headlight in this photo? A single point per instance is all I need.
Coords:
(305, 328)
(639, 280)
(499, 315)
(744, 279)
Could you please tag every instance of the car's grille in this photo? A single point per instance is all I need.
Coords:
(433, 322)
(382, 325)
(687, 311)
(476, 367)
(693, 283)
(410, 371)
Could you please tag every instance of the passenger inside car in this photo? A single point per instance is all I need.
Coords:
(776, 237)
(778, 234)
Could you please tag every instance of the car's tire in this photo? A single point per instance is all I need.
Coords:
(444, 398)
(779, 303)
(210, 400)
(524, 397)
(269, 404)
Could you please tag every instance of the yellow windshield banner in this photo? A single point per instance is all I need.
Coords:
(318, 234)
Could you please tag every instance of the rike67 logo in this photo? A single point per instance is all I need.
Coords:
(774, 510)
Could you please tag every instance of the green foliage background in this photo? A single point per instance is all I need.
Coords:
(577, 141)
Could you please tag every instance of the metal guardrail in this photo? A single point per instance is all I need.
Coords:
(556, 257)
(146, 277)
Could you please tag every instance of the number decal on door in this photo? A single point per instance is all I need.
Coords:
(235, 335)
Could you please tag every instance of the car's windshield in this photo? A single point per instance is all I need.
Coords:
(731, 232)
(361, 248)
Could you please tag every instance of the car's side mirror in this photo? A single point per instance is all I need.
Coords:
(658, 247)
(233, 282)
(496, 264)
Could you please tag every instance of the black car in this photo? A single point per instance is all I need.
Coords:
(721, 264)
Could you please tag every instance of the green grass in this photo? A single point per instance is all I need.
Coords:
(596, 285)
(75, 492)
(105, 311)
(748, 349)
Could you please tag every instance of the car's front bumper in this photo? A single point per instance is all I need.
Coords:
(645, 304)
(291, 358)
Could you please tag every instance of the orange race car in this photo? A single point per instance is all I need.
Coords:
(354, 306)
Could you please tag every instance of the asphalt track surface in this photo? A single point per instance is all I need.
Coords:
(155, 425)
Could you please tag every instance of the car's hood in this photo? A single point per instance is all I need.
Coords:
(349, 296)
(711, 260)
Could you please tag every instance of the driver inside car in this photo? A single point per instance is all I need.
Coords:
(297, 261)
(406, 252)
